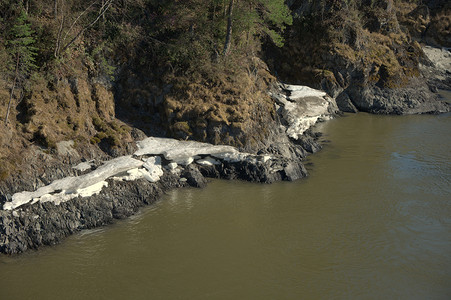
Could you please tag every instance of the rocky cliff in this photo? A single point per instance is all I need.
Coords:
(367, 54)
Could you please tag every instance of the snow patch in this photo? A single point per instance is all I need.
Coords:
(181, 152)
(83, 166)
(208, 161)
(127, 168)
(172, 166)
(440, 57)
(71, 187)
(154, 168)
(303, 108)
(301, 91)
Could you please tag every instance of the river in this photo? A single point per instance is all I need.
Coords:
(373, 221)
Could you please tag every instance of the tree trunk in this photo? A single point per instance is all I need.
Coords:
(12, 90)
(55, 9)
(228, 39)
(389, 5)
(60, 32)
(103, 10)
(103, 15)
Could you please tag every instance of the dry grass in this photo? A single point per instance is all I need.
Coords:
(226, 100)
(82, 112)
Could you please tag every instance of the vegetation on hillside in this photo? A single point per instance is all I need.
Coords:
(192, 68)
(335, 45)
(66, 68)
(181, 35)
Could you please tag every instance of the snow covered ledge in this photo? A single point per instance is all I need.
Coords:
(71, 187)
(440, 59)
(302, 107)
(145, 163)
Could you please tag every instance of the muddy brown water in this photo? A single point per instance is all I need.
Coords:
(373, 221)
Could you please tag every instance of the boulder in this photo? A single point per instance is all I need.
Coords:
(344, 103)
(194, 177)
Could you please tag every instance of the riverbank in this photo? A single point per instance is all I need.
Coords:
(56, 199)
(372, 218)
(73, 125)
(90, 194)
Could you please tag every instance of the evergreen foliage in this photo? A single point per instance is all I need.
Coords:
(192, 33)
(20, 46)
(174, 35)
(274, 15)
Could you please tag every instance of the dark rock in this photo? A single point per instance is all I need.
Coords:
(194, 177)
(333, 89)
(415, 99)
(433, 88)
(345, 104)
(294, 170)
(32, 226)
(47, 224)
(309, 144)
(209, 171)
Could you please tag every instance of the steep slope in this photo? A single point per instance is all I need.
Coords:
(358, 52)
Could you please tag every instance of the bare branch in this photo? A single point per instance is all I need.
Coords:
(104, 8)
(60, 31)
(78, 18)
(12, 89)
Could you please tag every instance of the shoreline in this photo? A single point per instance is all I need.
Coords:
(90, 194)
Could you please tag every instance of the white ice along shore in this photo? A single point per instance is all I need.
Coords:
(301, 109)
(131, 168)
(71, 187)
(440, 59)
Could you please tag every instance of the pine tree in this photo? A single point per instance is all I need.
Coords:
(22, 53)
(276, 15)
(259, 17)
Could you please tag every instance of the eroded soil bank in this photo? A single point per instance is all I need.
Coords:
(81, 195)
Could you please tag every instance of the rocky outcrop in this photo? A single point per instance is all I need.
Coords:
(361, 54)
(301, 107)
(146, 162)
(120, 186)
(228, 107)
(436, 67)
(91, 193)
(428, 22)
(416, 98)
(47, 223)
